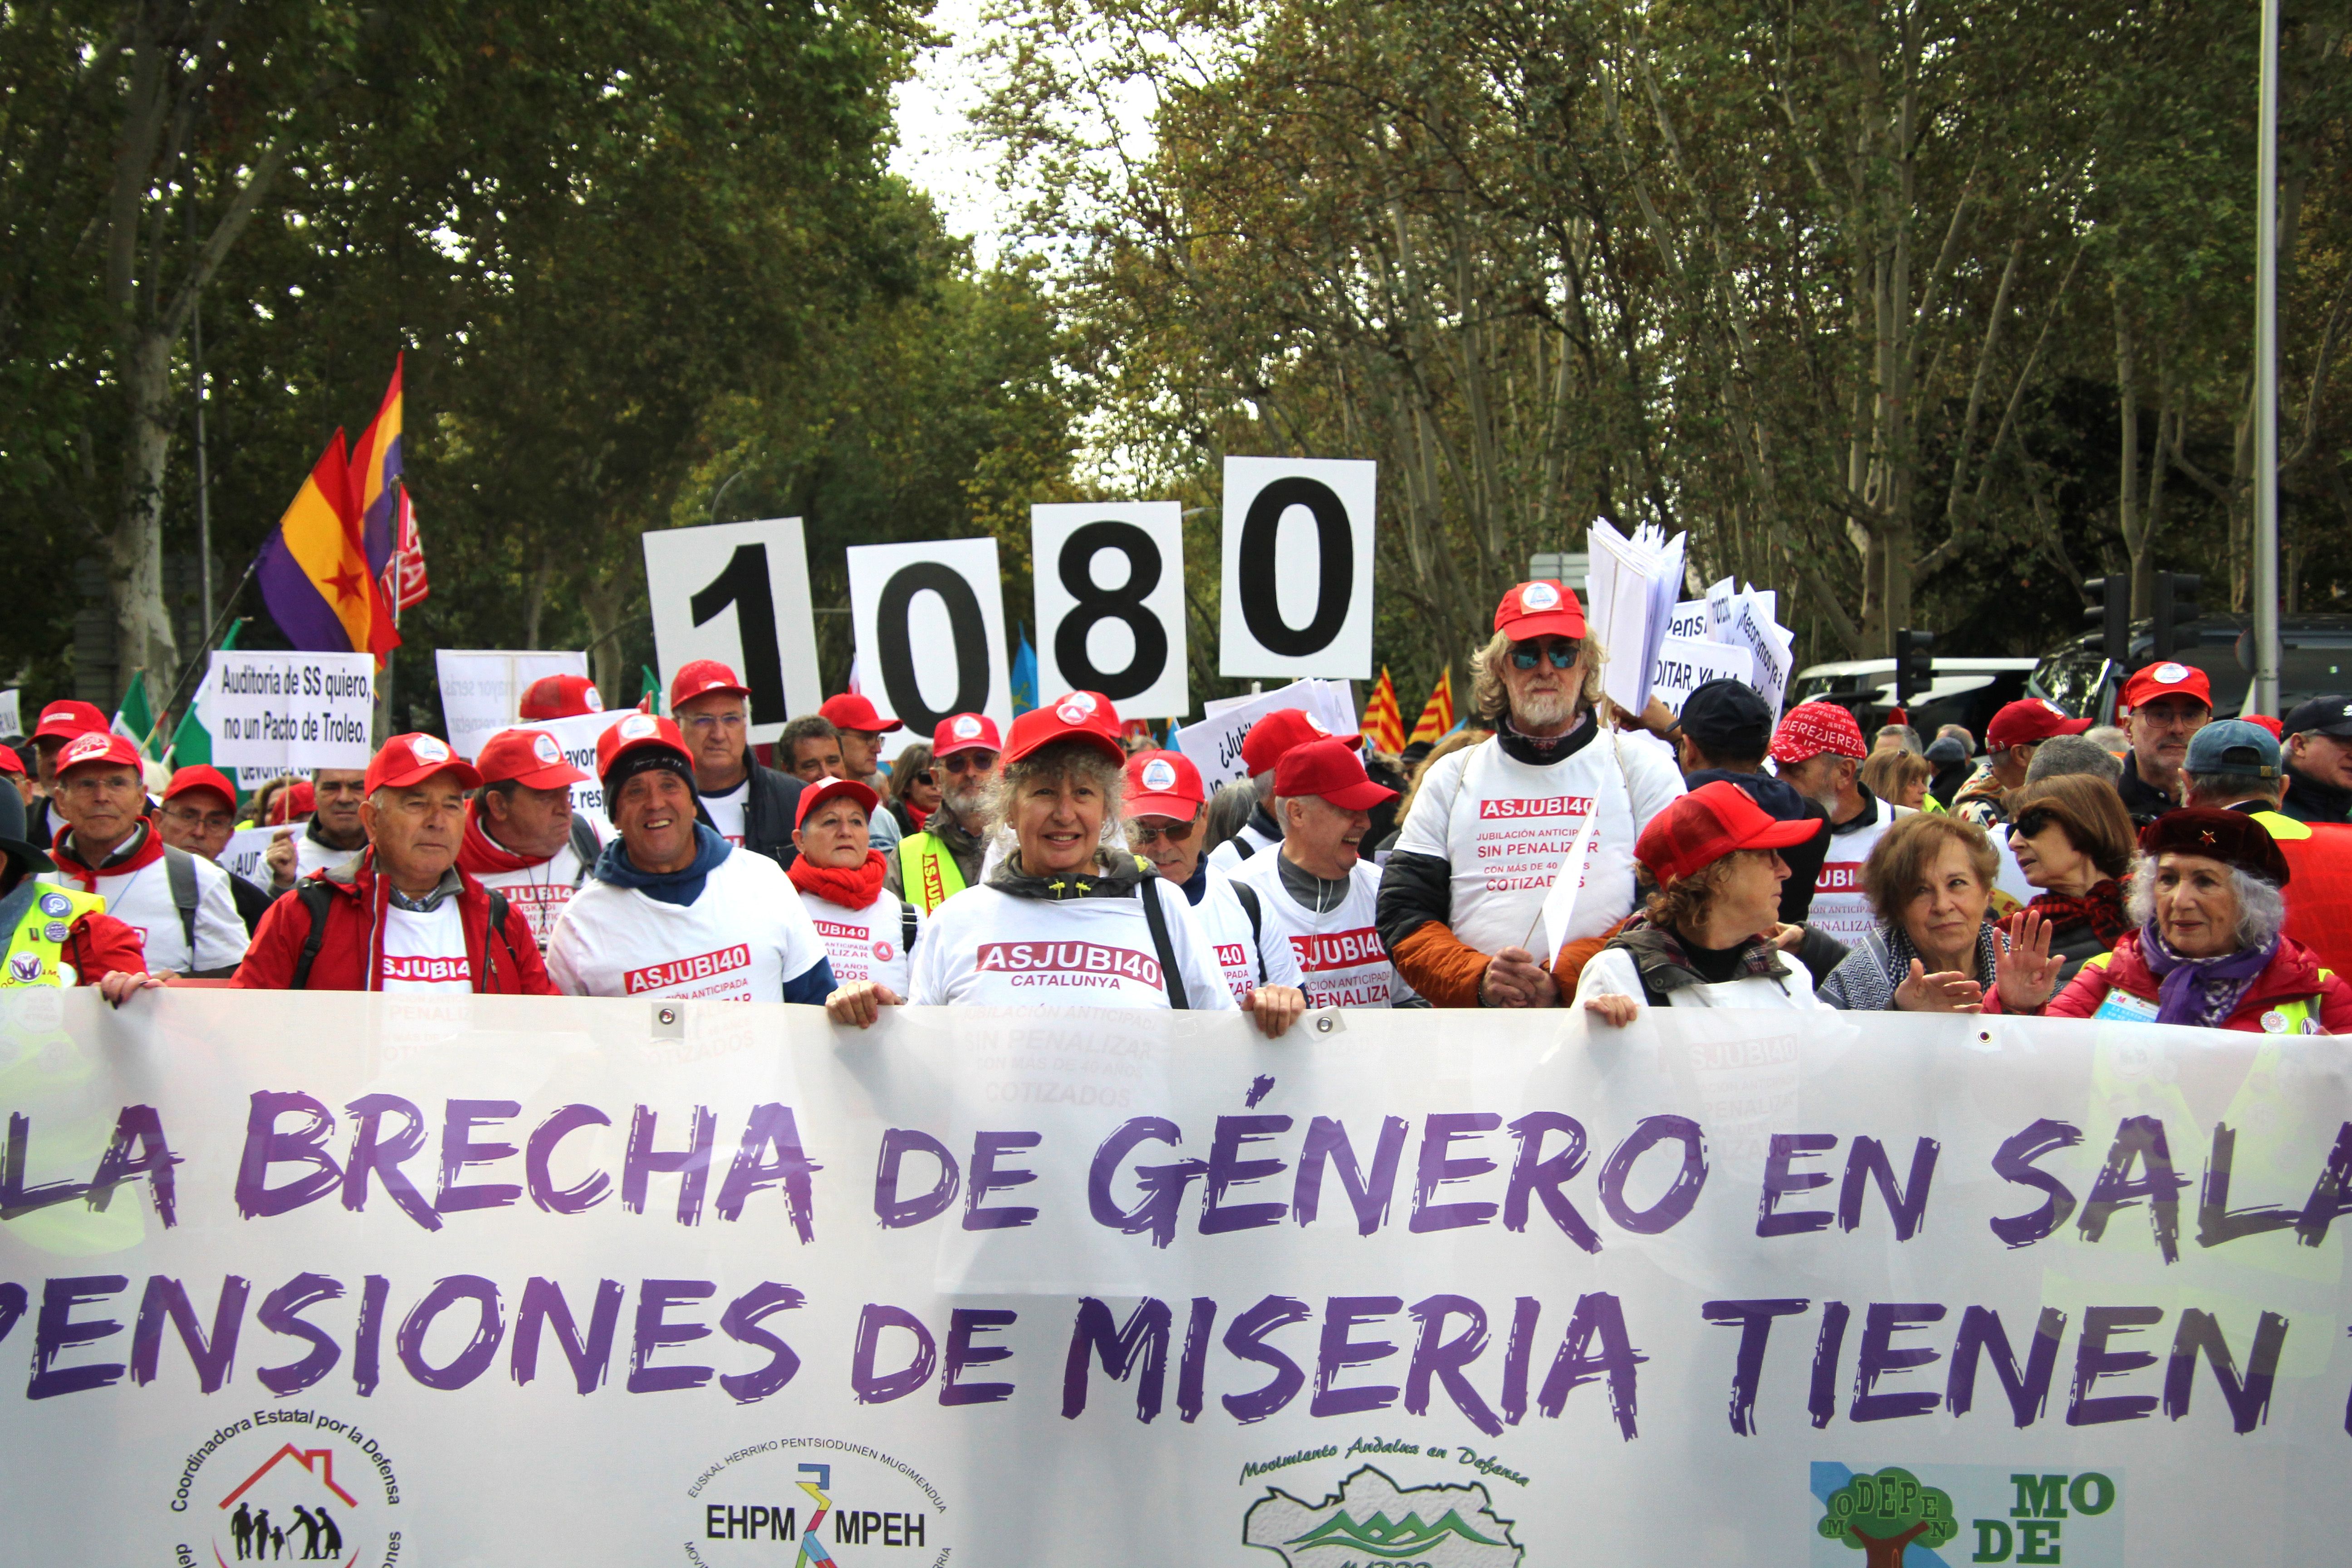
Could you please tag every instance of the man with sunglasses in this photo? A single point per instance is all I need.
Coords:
(747, 805)
(943, 859)
(1492, 825)
(1163, 807)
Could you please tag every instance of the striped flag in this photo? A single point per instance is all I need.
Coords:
(1383, 722)
(405, 586)
(1437, 713)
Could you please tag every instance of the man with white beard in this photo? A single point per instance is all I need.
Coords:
(947, 856)
(1818, 752)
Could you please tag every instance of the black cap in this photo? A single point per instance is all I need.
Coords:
(1727, 719)
(2322, 715)
(14, 845)
(1947, 751)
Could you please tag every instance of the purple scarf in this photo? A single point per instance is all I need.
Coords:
(2202, 992)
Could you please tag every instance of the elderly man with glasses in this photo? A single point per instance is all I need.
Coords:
(1164, 804)
(943, 859)
(743, 803)
(199, 816)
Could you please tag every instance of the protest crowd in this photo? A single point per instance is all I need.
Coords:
(1552, 850)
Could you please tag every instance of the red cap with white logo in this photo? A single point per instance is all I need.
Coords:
(700, 678)
(64, 721)
(1273, 737)
(97, 747)
(2029, 721)
(816, 794)
(2169, 679)
(1332, 770)
(854, 710)
(409, 760)
(965, 732)
(531, 758)
(560, 697)
(1076, 715)
(1544, 608)
(635, 733)
(1163, 784)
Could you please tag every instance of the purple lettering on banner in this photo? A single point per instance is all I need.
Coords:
(874, 1387)
(741, 1323)
(57, 1330)
(1780, 1181)
(13, 1303)
(1434, 1170)
(2028, 1390)
(897, 1213)
(367, 1342)
(282, 1313)
(1326, 1139)
(1162, 1185)
(540, 1153)
(692, 1165)
(986, 1179)
(1533, 1176)
(2093, 1361)
(1336, 1353)
(1906, 1203)
(212, 1355)
(2140, 1141)
(458, 1120)
(1679, 1197)
(590, 1355)
(1245, 1340)
(265, 1146)
(1755, 1321)
(1879, 1357)
(771, 1127)
(2331, 1197)
(1820, 1397)
(1227, 1170)
(1192, 1371)
(1518, 1356)
(480, 1349)
(15, 1198)
(372, 1154)
(1140, 1347)
(1435, 1357)
(137, 1149)
(654, 1330)
(2250, 1400)
(2217, 1222)
(1596, 1347)
(2013, 1162)
(962, 1323)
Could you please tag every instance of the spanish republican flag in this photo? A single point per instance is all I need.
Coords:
(1383, 723)
(375, 476)
(314, 568)
(1436, 714)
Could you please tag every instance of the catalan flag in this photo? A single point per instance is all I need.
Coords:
(1383, 723)
(1437, 713)
(314, 570)
(375, 477)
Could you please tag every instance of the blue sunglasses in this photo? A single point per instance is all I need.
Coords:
(1526, 656)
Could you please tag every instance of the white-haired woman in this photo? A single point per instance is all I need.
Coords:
(1069, 919)
(2210, 950)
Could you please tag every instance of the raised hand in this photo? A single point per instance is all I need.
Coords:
(2024, 973)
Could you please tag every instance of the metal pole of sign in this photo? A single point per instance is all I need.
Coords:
(2266, 539)
(204, 475)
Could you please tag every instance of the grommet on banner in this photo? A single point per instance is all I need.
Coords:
(669, 1021)
(1327, 1021)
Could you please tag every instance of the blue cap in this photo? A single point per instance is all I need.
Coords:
(2233, 746)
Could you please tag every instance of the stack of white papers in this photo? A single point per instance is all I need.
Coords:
(1630, 592)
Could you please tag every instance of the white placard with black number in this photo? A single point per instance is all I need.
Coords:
(1110, 605)
(930, 624)
(1297, 597)
(739, 592)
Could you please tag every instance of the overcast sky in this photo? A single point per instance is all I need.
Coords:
(935, 149)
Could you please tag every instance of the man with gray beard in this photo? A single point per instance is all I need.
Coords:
(945, 857)
(1818, 750)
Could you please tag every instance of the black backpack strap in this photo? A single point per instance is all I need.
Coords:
(907, 930)
(1242, 847)
(1250, 907)
(180, 870)
(497, 928)
(317, 898)
(1157, 919)
(585, 847)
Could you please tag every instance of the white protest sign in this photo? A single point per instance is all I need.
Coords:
(1214, 742)
(945, 599)
(1690, 619)
(276, 709)
(242, 857)
(1772, 647)
(1686, 664)
(1719, 596)
(1110, 605)
(12, 719)
(738, 593)
(578, 736)
(482, 687)
(1298, 575)
(1630, 598)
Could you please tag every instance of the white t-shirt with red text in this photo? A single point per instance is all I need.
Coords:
(425, 949)
(739, 941)
(727, 812)
(1341, 961)
(1226, 924)
(1840, 906)
(540, 892)
(868, 943)
(986, 947)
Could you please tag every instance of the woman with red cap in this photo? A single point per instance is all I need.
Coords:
(1708, 936)
(870, 932)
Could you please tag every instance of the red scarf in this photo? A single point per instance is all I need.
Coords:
(851, 887)
(149, 851)
(2101, 908)
(478, 853)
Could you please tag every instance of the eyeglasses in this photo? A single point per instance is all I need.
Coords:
(702, 724)
(1175, 832)
(2031, 823)
(124, 783)
(210, 821)
(969, 762)
(923, 778)
(1526, 656)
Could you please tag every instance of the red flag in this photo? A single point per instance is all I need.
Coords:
(404, 585)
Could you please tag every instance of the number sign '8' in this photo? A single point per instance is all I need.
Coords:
(1110, 605)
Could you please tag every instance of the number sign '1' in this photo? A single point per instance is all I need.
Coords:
(929, 626)
(1298, 568)
(738, 593)
(1125, 640)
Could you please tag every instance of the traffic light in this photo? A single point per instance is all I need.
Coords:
(2110, 616)
(2176, 606)
(1915, 664)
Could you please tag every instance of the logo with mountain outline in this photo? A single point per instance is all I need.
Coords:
(1371, 1520)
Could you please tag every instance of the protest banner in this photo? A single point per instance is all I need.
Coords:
(1768, 643)
(512, 1279)
(1111, 604)
(1686, 664)
(242, 856)
(578, 736)
(1213, 742)
(1631, 592)
(481, 688)
(1691, 620)
(12, 717)
(1298, 568)
(738, 593)
(274, 709)
(945, 598)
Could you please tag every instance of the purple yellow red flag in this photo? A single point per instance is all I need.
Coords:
(314, 569)
(1437, 713)
(1383, 722)
(375, 477)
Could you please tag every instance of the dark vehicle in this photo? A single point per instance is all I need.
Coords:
(1966, 691)
(2314, 660)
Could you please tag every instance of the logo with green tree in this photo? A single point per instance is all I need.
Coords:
(1371, 1521)
(1881, 1515)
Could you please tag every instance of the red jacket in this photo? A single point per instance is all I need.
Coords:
(98, 945)
(2294, 975)
(506, 963)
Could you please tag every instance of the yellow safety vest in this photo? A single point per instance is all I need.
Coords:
(36, 947)
(928, 872)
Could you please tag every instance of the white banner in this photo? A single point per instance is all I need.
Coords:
(738, 593)
(481, 688)
(1686, 664)
(243, 855)
(1298, 575)
(524, 1281)
(928, 620)
(577, 737)
(12, 717)
(1215, 742)
(1110, 605)
(272, 709)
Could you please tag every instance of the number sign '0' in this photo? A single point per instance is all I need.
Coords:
(738, 593)
(1110, 605)
(930, 625)
(1298, 568)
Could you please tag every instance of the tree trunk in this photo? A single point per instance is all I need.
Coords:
(2128, 521)
(1889, 1553)
(142, 625)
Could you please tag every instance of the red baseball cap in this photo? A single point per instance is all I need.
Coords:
(195, 776)
(406, 761)
(700, 678)
(1163, 784)
(1697, 830)
(964, 732)
(2028, 721)
(835, 789)
(1274, 737)
(1080, 715)
(1810, 729)
(2168, 678)
(2265, 721)
(531, 758)
(638, 732)
(300, 799)
(1545, 608)
(64, 721)
(560, 697)
(1332, 770)
(92, 746)
(10, 762)
(854, 711)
